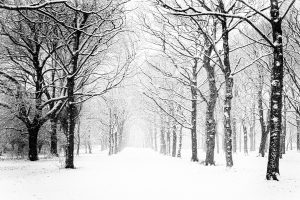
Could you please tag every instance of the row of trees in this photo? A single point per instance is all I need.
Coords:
(53, 58)
(200, 48)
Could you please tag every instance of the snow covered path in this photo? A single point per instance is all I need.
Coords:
(141, 174)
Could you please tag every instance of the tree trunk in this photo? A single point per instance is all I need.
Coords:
(40, 147)
(194, 114)
(53, 120)
(180, 143)
(174, 136)
(78, 138)
(283, 133)
(223, 143)
(245, 137)
(252, 129)
(168, 140)
(298, 134)
(89, 144)
(276, 94)
(110, 143)
(162, 142)
(110, 134)
(217, 141)
(228, 90)
(163, 147)
(71, 124)
(155, 138)
(116, 143)
(291, 142)
(264, 128)
(33, 143)
(53, 135)
(234, 142)
(211, 104)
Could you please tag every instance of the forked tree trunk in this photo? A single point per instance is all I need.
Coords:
(276, 94)
(35, 125)
(228, 95)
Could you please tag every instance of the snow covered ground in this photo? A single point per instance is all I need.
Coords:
(141, 174)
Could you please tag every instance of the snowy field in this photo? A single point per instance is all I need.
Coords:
(141, 174)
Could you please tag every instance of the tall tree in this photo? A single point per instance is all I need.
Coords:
(276, 72)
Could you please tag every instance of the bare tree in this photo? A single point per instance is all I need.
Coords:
(276, 73)
(24, 32)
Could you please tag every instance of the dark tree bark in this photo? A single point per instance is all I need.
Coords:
(71, 98)
(53, 137)
(228, 93)
(211, 104)
(263, 126)
(71, 125)
(276, 94)
(40, 147)
(33, 143)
